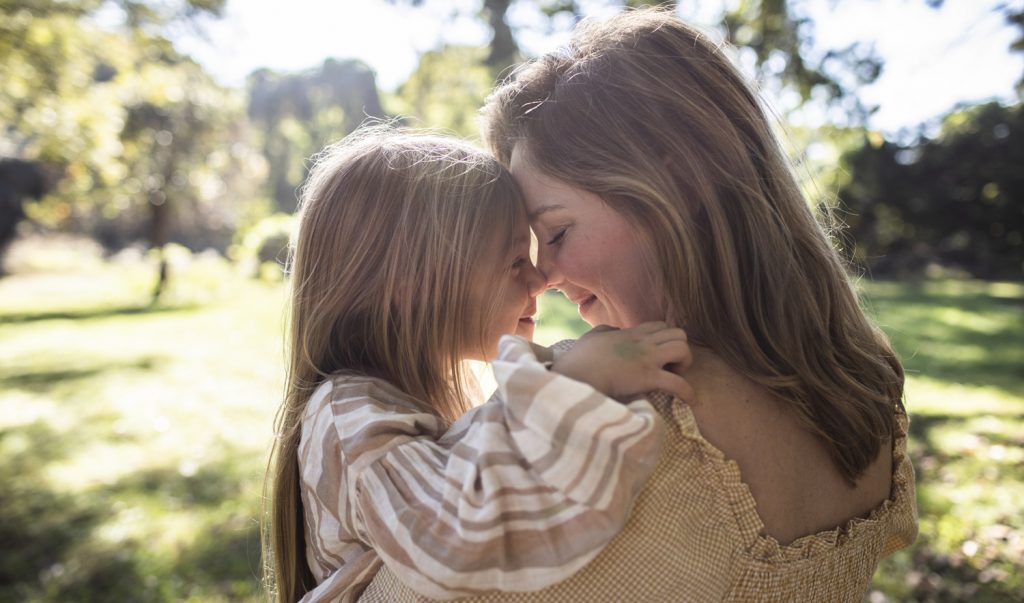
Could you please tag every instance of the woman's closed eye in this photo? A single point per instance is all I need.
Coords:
(558, 236)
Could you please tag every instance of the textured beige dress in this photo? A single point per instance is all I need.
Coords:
(694, 535)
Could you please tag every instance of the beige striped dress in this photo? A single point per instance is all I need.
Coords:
(517, 495)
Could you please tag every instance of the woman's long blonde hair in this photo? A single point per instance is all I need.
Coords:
(392, 230)
(650, 115)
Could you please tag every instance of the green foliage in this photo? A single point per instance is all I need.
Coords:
(503, 50)
(775, 33)
(956, 200)
(263, 249)
(558, 318)
(778, 36)
(446, 91)
(297, 114)
(149, 147)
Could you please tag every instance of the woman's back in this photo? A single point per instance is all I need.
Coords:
(798, 489)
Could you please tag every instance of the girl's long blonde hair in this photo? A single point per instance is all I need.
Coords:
(392, 228)
(650, 115)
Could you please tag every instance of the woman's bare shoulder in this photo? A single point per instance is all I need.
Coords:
(797, 488)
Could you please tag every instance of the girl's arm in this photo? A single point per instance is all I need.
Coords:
(518, 495)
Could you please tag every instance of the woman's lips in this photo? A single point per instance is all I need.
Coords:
(585, 303)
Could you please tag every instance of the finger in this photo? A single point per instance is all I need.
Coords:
(674, 352)
(646, 328)
(602, 329)
(666, 335)
(675, 385)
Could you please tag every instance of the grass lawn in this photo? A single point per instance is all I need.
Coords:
(133, 438)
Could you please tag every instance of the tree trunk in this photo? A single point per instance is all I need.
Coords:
(158, 239)
(503, 45)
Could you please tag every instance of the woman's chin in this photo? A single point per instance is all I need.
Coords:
(594, 315)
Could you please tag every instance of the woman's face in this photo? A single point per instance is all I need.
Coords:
(511, 274)
(587, 250)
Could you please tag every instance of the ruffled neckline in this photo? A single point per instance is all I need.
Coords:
(767, 549)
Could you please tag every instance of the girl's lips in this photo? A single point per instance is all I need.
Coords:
(527, 317)
(525, 327)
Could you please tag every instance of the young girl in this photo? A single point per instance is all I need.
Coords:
(412, 257)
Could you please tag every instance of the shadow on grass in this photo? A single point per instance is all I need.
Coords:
(226, 558)
(929, 455)
(923, 573)
(970, 338)
(40, 381)
(950, 452)
(54, 550)
(95, 313)
(48, 552)
(921, 428)
(209, 486)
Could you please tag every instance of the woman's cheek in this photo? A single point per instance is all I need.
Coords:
(571, 263)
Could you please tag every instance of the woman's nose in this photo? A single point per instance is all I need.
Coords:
(548, 270)
(536, 282)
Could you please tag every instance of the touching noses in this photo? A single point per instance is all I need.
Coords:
(548, 271)
(535, 281)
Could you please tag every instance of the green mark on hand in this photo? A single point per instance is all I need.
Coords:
(628, 350)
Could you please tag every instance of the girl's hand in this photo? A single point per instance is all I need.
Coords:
(627, 363)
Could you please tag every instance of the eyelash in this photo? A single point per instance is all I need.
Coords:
(558, 237)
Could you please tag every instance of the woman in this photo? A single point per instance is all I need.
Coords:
(658, 191)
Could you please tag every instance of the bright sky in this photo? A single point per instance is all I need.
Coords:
(934, 59)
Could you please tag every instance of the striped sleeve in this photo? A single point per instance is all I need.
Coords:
(538, 480)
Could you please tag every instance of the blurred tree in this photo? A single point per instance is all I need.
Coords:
(19, 180)
(781, 39)
(446, 90)
(182, 149)
(956, 200)
(1016, 17)
(134, 125)
(777, 33)
(39, 37)
(1013, 12)
(503, 51)
(297, 114)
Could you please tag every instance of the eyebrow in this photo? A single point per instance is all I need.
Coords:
(543, 210)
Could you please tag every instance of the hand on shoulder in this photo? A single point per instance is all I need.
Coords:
(627, 363)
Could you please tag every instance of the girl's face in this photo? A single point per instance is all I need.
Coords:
(587, 250)
(511, 274)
